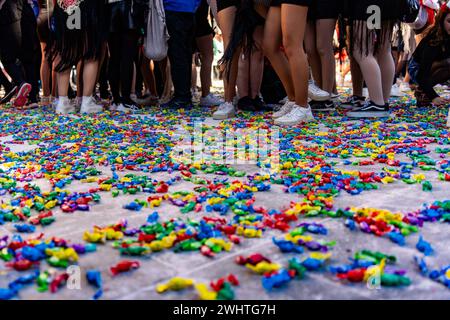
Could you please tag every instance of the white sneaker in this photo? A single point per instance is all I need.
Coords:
(404, 87)
(127, 108)
(114, 106)
(395, 91)
(210, 100)
(225, 111)
(285, 109)
(317, 94)
(296, 116)
(88, 105)
(64, 106)
(283, 101)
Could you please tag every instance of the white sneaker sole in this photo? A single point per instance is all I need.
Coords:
(293, 123)
(91, 112)
(224, 116)
(368, 114)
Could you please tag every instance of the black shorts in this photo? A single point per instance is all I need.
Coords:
(202, 26)
(223, 4)
(304, 3)
(325, 9)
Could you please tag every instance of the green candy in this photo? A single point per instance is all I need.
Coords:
(427, 186)
(226, 293)
(394, 280)
(47, 221)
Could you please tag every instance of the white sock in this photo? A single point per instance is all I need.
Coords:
(63, 100)
(85, 100)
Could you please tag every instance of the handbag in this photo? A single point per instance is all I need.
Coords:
(409, 10)
(156, 41)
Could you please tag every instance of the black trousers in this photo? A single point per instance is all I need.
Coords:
(19, 49)
(181, 27)
(11, 41)
(122, 48)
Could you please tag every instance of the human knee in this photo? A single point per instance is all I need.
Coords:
(291, 45)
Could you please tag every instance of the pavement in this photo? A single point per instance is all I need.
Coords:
(160, 267)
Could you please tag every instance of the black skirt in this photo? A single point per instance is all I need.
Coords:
(325, 9)
(84, 43)
(304, 3)
(367, 40)
(357, 9)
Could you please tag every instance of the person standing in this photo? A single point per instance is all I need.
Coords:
(11, 16)
(180, 21)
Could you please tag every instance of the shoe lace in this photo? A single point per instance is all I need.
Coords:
(223, 107)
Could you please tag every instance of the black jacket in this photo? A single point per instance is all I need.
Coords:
(425, 55)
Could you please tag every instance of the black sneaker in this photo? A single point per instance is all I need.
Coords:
(322, 106)
(422, 99)
(9, 95)
(176, 103)
(370, 110)
(353, 102)
(246, 104)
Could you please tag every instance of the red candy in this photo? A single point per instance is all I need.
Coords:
(124, 266)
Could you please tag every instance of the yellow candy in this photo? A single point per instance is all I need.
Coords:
(387, 180)
(155, 203)
(105, 187)
(175, 284)
(222, 243)
(288, 165)
(263, 267)
(63, 254)
(51, 204)
(447, 274)
(375, 271)
(167, 242)
(320, 256)
(94, 237)
(204, 293)
(156, 246)
(248, 233)
(111, 234)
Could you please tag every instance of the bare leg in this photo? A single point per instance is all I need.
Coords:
(194, 74)
(313, 55)
(369, 67)
(225, 19)
(90, 70)
(80, 79)
(205, 46)
(257, 63)
(243, 81)
(272, 44)
(148, 76)
(45, 72)
(62, 78)
(387, 66)
(293, 25)
(324, 42)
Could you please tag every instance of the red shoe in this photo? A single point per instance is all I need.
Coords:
(22, 95)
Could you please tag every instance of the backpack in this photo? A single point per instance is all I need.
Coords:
(155, 42)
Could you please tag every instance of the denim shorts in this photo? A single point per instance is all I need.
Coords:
(413, 70)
